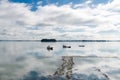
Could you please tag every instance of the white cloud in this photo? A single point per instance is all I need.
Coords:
(17, 21)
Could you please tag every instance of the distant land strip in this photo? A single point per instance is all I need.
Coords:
(60, 41)
(88, 40)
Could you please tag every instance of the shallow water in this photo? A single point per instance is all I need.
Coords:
(32, 61)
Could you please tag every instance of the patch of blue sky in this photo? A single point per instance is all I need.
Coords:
(57, 2)
(46, 2)
(62, 2)
(24, 1)
(33, 3)
(101, 1)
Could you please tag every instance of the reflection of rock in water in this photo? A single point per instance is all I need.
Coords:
(65, 71)
(105, 75)
(66, 68)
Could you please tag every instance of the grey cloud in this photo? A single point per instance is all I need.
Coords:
(21, 23)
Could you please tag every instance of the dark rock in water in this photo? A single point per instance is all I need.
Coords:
(48, 40)
(81, 45)
(64, 46)
(49, 48)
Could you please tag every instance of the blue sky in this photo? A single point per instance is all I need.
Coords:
(60, 19)
(57, 2)
(60, 2)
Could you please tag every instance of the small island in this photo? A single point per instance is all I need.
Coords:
(48, 40)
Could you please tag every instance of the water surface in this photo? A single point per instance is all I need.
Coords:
(32, 61)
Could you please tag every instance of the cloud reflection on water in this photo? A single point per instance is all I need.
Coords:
(17, 60)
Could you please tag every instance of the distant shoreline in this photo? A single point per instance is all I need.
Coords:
(61, 41)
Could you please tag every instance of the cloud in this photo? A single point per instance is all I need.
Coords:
(67, 21)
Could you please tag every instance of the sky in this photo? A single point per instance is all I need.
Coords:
(59, 19)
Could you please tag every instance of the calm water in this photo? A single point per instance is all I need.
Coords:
(32, 61)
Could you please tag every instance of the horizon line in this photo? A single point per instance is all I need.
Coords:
(90, 40)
